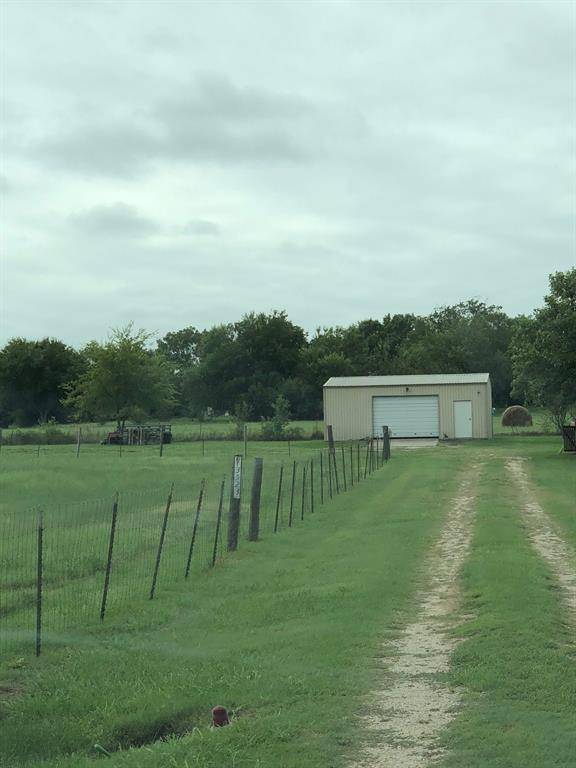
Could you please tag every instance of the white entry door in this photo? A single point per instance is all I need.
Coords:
(410, 416)
(462, 418)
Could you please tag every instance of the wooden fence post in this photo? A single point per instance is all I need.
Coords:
(330, 438)
(235, 499)
(386, 439)
(254, 527)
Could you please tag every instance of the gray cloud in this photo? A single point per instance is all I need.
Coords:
(113, 150)
(115, 220)
(211, 120)
(337, 159)
(201, 227)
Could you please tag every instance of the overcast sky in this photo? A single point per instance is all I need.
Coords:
(182, 163)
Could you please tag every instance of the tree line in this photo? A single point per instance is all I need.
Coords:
(265, 366)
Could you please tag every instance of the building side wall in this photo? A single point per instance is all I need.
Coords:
(349, 409)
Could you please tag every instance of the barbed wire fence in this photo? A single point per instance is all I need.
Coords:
(75, 565)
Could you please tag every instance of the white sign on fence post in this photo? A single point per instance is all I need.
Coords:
(235, 497)
(237, 479)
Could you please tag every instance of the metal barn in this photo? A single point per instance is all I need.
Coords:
(445, 405)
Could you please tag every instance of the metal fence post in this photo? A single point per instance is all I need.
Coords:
(195, 528)
(218, 521)
(336, 479)
(254, 526)
(344, 468)
(351, 466)
(109, 557)
(278, 497)
(39, 579)
(304, 468)
(311, 486)
(292, 495)
(161, 543)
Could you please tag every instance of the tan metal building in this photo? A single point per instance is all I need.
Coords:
(444, 405)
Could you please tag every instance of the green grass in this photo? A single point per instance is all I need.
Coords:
(517, 664)
(285, 632)
(75, 496)
(54, 476)
(288, 631)
(182, 429)
(542, 424)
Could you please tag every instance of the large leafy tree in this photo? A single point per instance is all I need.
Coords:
(33, 375)
(180, 350)
(468, 337)
(544, 350)
(123, 380)
(243, 365)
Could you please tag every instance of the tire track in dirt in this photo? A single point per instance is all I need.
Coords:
(409, 713)
(549, 544)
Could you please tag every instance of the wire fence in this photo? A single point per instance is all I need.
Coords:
(71, 566)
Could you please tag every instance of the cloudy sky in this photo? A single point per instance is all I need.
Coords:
(181, 163)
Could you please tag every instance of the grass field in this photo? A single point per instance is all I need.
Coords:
(184, 429)
(294, 633)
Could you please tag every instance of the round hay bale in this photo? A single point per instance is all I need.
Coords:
(516, 416)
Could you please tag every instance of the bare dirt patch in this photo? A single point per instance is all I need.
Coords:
(549, 544)
(413, 707)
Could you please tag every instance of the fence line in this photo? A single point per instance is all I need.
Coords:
(69, 567)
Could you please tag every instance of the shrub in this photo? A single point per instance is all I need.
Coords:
(516, 416)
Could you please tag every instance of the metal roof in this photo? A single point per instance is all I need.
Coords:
(399, 381)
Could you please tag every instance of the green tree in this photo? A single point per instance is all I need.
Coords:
(469, 337)
(180, 347)
(244, 362)
(544, 350)
(275, 428)
(180, 350)
(123, 380)
(33, 377)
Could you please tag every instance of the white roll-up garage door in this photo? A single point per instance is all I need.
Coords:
(408, 416)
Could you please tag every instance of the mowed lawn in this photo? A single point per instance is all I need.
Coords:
(290, 631)
(53, 476)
